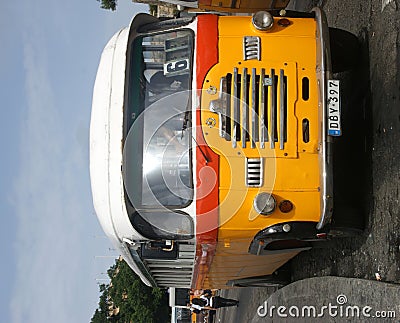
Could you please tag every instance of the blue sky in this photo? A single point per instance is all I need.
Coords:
(49, 232)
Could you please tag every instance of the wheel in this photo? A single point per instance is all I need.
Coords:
(263, 283)
(345, 50)
(278, 279)
(347, 221)
(344, 232)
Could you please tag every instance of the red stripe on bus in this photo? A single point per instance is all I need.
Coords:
(204, 3)
(207, 162)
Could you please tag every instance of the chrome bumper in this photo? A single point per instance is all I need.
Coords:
(324, 73)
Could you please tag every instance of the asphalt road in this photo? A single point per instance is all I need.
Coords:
(367, 162)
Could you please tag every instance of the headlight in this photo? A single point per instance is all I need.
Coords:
(264, 203)
(262, 20)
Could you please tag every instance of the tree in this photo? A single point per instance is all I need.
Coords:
(127, 299)
(108, 4)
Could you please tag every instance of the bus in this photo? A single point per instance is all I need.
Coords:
(231, 6)
(211, 144)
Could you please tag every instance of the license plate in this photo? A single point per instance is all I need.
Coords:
(333, 115)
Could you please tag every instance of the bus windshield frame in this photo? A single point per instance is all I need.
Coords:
(157, 161)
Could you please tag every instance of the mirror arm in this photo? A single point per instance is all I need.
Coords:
(171, 247)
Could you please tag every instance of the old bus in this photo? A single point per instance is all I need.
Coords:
(210, 145)
(231, 6)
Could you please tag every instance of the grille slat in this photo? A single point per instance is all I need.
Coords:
(253, 108)
(273, 109)
(236, 93)
(245, 108)
(282, 113)
(223, 114)
(263, 111)
(228, 106)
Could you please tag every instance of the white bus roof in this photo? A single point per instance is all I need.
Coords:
(106, 135)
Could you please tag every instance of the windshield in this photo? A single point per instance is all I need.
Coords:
(157, 164)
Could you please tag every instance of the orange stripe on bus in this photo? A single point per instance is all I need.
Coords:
(207, 162)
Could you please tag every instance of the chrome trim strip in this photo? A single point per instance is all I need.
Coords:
(224, 99)
(235, 106)
(169, 276)
(168, 265)
(245, 108)
(272, 109)
(324, 72)
(253, 108)
(262, 109)
(281, 110)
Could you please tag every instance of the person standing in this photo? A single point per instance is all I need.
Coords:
(218, 302)
(214, 302)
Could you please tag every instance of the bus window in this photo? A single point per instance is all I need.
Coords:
(161, 161)
(165, 224)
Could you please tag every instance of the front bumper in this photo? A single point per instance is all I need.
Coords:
(324, 73)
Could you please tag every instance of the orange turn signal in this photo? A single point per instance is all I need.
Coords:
(285, 206)
(284, 22)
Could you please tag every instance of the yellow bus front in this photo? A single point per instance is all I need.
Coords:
(262, 113)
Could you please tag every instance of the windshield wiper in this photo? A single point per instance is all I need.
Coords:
(201, 150)
(186, 120)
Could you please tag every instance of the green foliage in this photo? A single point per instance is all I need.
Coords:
(108, 4)
(136, 302)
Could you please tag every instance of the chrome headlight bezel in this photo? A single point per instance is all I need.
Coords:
(262, 20)
(264, 203)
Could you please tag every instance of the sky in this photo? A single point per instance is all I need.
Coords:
(53, 249)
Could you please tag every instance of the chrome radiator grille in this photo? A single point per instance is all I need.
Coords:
(174, 273)
(253, 108)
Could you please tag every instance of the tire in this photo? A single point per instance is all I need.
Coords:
(278, 279)
(344, 232)
(268, 281)
(263, 284)
(345, 50)
(347, 222)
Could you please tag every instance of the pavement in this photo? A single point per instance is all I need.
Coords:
(318, 299)
(332, 299)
